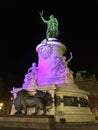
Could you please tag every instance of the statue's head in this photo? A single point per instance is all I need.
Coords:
(22, 93)
(51, 16)
(34, 64)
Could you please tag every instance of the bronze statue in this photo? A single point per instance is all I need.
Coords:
(52, 26)
(40, 100)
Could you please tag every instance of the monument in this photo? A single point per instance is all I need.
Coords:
(53, 75)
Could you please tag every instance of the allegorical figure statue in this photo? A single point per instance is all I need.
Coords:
(52, 26)
(65, 62)
(68, 72)
(30, 80)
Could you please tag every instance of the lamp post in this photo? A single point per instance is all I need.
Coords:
(1, 107)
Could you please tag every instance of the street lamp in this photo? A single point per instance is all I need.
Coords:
(1, 106)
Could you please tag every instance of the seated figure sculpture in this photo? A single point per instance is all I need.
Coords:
(30, 80)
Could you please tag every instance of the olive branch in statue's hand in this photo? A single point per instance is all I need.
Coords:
(41, 13)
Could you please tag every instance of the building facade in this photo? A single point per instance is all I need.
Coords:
(89, 83)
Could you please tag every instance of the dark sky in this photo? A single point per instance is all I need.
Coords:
(21, 30)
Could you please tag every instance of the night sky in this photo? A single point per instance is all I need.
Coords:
(21, 30)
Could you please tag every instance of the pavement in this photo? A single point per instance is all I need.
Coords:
(93, 126)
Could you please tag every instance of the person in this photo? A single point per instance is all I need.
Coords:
(52, 26)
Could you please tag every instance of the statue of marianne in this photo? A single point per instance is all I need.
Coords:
(52, 26)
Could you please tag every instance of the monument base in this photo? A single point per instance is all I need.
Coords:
(70, 104)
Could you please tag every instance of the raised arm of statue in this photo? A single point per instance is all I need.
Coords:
(70, 58)
(41, 15)
(65, 62)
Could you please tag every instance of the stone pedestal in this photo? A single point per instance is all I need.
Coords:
(70, 104)
(49, 54)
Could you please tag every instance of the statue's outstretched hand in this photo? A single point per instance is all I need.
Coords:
(41, 13)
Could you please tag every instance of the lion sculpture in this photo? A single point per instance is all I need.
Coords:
(40, 100)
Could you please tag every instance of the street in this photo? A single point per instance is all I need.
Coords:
(77, 127)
